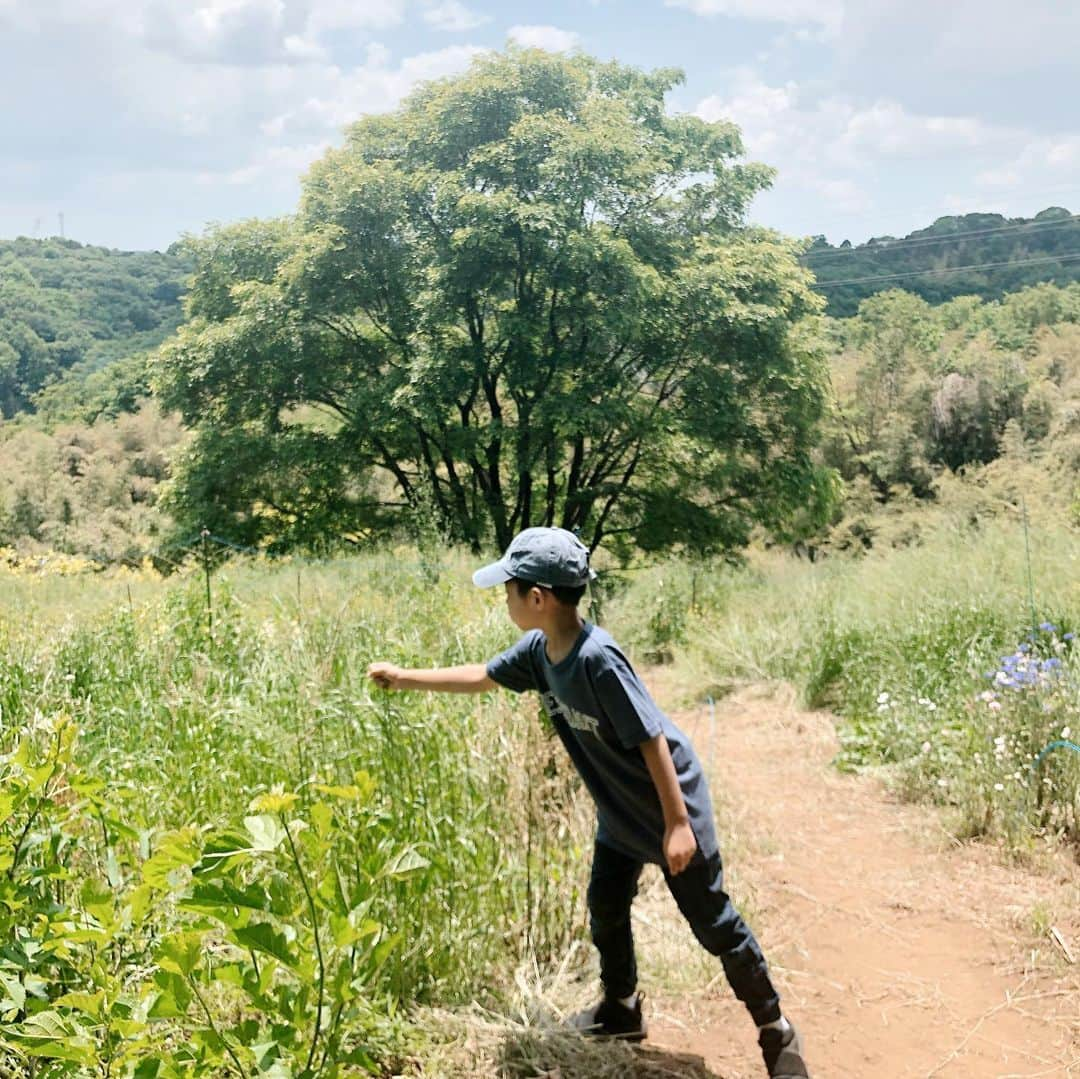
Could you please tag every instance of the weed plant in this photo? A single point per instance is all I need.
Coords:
(276, 857)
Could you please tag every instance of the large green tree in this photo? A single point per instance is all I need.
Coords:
(526, 297)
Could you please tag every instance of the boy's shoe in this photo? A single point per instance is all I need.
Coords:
(782, 1050)
(611, 1019)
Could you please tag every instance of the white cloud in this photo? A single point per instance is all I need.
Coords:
(273, 164)
(339, 97)
(788, 121)
(550, 38)
(826, 14)
(327, 15)
(851, 156)
(1042, 163)
(453, 16)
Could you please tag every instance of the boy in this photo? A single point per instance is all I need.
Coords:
(651, 798)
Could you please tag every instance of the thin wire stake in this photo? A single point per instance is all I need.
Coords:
(1027, 553)
(209, 599)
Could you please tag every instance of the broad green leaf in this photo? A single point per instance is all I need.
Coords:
(263, 937)
(97, 898)
(92, 1004)
(353, 928)
(175, 850)
(221, 899)
(230, 974)
(405, 863)
(222, 851)
(266, 831)
(50, 1035)
(274, 802)
(173, 999)
(87, 936)
(120, 830)
(322, 817)
(14, 998)
(181, 953)
(139, 902)
(149, 1068)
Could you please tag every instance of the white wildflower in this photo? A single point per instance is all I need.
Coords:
(883, 698)
(1066, 732)
(999, 786)
(926, 747)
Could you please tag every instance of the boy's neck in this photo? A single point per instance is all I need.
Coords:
(561, 632)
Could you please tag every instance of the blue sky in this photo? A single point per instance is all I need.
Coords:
(140, 120)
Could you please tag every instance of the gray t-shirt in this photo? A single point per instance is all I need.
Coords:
(602, 712)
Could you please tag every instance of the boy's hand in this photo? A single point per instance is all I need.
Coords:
(679, 846)
(385, 675)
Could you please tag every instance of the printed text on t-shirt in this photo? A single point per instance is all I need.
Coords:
(578, 720)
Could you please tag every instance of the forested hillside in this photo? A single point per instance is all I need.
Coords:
(965, 404)
(67, 311)
(1010, 253)
(966, 399)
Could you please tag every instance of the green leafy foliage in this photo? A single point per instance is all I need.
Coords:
(972, 403)
(86, 490)
(950, 668)
(526, 297)
(67, 311)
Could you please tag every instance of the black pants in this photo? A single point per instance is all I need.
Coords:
(699, 893)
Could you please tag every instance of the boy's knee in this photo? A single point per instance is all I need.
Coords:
(607, 906)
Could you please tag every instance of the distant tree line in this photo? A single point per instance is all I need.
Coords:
(528, 296)
(1052, 237)
(924, 393)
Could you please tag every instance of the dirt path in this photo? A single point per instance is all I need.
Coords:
(899, 952)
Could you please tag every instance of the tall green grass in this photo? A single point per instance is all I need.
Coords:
(900, 644)
(188, 727)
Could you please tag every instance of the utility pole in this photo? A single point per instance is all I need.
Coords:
(61, 226)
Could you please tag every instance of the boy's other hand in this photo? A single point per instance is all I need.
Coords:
(385, 675)
(679, 846)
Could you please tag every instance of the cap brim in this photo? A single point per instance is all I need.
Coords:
(489, 576)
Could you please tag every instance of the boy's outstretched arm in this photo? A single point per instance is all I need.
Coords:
(468, 678)
(679, 839)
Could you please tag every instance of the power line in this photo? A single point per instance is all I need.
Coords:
(1070, 257)
(926, 241)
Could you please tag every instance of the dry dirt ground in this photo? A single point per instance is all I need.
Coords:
(899, 952)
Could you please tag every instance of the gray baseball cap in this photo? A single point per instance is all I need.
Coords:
(549, 557)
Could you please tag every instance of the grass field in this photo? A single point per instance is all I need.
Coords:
(319, 855)
(223, 853)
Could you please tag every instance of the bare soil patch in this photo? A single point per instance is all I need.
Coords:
(899, 951)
